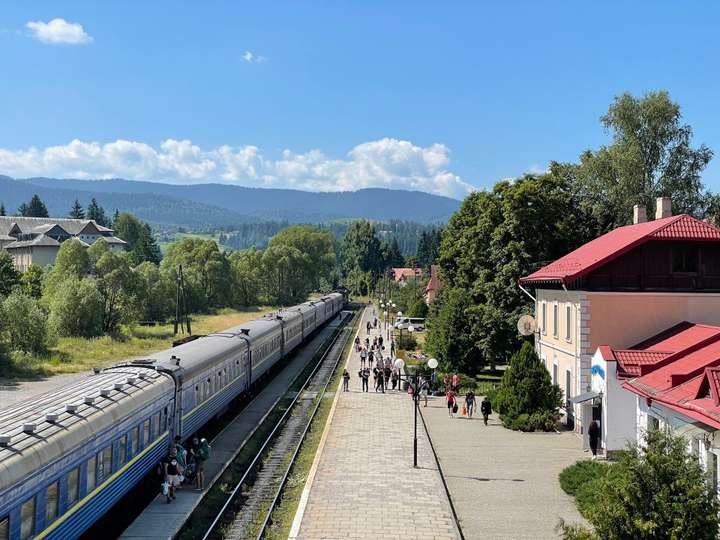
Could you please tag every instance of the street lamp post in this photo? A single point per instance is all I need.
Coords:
(399, 365)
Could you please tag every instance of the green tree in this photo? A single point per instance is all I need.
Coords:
(76, 308)
(31, 281)
(35, 208)
(313, 242)
(72, 261)
(118, 286)
(25, 324)
(99, 248)
(9, 276)
(526, 393)
(450, 337)
(428, 248)
(656, 491)
(650, 156)
(156, 293)
(247, 276)
(2, 209)
(361, 250)
(96, 213)
(77, 212)
(285, 274)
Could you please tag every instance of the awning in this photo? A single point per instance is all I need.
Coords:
(587, 396)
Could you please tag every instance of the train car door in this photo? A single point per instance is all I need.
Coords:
(247, 366)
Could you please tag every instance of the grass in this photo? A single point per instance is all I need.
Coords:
(72, 355)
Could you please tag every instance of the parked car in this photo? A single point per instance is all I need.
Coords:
(418, 323)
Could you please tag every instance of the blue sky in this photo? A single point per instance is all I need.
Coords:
(438, 96)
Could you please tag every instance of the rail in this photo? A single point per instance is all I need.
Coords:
(295, 437)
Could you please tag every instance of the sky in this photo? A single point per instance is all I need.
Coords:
(443, 97)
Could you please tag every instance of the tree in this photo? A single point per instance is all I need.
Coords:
(392, 256)
(428, 248)
(156, 293)
(96, 213)
(118, 287)
(9, 276)
(72, 261)
(650, 156)
(655, 491)
(77, 212)
(527, 399)
(31, 281)
(2, 209)
(361, 250)
(25, 324)
(318, 245)
(247, 276)
(35, 208)
(76, 308)
(285, 274)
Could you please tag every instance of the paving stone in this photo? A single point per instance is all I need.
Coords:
(365, 486)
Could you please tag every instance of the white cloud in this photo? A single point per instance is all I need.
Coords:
(252, 58)
(59, 31)
(389, 163)
(537, 169)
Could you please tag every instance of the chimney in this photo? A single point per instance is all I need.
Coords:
(639, 214)
(662, 208)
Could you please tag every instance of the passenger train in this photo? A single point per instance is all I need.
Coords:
(67, 456)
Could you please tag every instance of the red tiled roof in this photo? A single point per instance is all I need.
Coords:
(434, 283)
(405, 273)
(618, 241)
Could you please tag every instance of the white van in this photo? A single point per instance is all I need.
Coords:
(417, 323)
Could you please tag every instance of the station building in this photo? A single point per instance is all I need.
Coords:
(619, 291)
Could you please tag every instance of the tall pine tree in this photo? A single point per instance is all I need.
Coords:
(2, 209)
(35, 208)
(77, 212)
(96, 213)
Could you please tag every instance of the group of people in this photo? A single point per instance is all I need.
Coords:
(376, 362)
(184, 466)
(468, 407)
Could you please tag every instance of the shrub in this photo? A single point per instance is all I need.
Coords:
(407, 342)
(76, 308)
(572, 478)
(25, 324)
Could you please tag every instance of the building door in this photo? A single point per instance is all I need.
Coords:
(597, 417)
(569, 407)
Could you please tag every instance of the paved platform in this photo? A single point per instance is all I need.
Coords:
(504, 484)
(161, 521)
(363, 485)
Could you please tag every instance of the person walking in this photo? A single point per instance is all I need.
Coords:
(455, 383)
(470, 403)
(364, 377)
(171, 470)
(201, 451)
(367, 327)
(594, 436)
(392, 348)
(450, 399)
(363, 357)
(424, 388)
(381, 380)
(346, 381)
(486, 409)
(357, 343)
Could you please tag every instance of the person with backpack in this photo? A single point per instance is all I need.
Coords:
(172, 472)
(486, 409)
(363, 356)
(470, 403)
(364, 375)
(346, 381)
(201, 451)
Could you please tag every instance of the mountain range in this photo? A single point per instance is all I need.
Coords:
(211, 205)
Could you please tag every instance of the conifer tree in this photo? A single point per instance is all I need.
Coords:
(96, 213)
(2, 209)
(77, 212)
(35, 208)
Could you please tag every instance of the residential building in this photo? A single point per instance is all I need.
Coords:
(33, 240)
(434, 285)
(403, 276)
(633, 282)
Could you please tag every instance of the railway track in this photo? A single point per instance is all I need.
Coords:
(247, 511)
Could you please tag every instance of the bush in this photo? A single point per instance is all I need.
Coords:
(407, 342)
(572, 478)
(76, 308)
(25, 324)
(527, 400)
(657, 491)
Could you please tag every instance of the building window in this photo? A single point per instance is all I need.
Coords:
(685, 259)
(555, 374)
(73, 486)
(91, 465)
(51, 503)
(568, 322)
(653, 423)
(27, 519)
(568, 386)
(555, 319)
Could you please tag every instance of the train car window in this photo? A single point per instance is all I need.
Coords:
(134, 436)
(51, 503)
(91, 465)
(165, 421)
(156, 425)
(146, 432)
(105, 467)
(27, 519)
(197, 394)
(4, 528)
(73, 490)
(122, 450)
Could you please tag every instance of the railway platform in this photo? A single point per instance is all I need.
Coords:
(362, 484)
(162, 521)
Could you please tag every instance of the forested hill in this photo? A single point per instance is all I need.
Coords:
(219, 205)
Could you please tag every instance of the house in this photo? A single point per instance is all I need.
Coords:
(433, 286)
(33, 240)
(633, 282)
(404, 275)
(614, 371)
